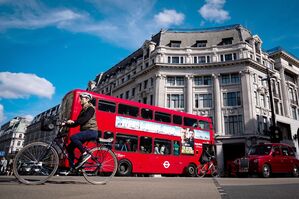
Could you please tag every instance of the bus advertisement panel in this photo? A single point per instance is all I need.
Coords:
(147, 139)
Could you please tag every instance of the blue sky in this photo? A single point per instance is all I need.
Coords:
(49, 47)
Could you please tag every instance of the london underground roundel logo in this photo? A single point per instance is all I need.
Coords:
(166, 164)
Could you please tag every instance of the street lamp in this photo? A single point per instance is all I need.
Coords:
(275, 133)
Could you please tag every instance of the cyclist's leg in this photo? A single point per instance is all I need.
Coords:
(80, 138)
(70, 150)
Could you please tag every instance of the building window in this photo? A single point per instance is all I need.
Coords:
(133, 91)
(127, 94)
(201, 43)
(228, 57)
(175, 81)
(294, 113)
(175, 44)
(145, 84)
(203, 80)
(232, 99)
(175, 101)
(175, 60)
(233, 78)
(233, 125)
(262, 101)
(227, 41)
(203, 100)
(201, 59)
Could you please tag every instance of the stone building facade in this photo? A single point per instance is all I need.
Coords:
(12, 136)
(219, 73)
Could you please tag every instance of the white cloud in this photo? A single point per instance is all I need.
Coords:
(22, 85)
(1, 113)
(169, 17)
(213, 11)
(126, 23)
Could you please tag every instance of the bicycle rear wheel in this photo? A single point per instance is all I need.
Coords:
(203, 170)
(35, 163)
(100, 167)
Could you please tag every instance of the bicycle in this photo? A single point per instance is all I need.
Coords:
(208, 168)
(38, 162)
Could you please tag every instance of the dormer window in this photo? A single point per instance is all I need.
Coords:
(227, 41)
(201, 43)
(175, 44)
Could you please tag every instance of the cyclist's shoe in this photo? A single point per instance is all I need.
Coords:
(84, 157)
(70, 172)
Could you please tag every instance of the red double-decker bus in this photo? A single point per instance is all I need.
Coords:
(147, 139)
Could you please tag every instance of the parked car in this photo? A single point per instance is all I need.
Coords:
(266, 159)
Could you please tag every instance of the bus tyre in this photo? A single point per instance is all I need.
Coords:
(191, 170)
(124, 168)
(266, 171)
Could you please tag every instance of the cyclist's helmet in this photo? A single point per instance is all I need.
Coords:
(86, 95)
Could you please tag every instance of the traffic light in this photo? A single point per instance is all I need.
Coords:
(275, 134)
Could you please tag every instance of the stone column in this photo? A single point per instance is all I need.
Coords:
(189, 94)
(247, 102)
(285, 94)
(217, 105)
(160, 90)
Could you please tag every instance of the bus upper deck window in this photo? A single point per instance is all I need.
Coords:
(128, 110)
(162, 117)
(146, 113)
(190, 122)
(204, 125)
(177, 119)
(107, 106)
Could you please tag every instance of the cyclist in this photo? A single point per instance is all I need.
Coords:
(205, 156)
(88, 130)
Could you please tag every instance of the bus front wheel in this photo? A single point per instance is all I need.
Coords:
(124, 168)
(191, 170)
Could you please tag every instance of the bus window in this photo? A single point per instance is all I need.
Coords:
(177, 119)
(125, 142)
(128, 110)
(146, 114)
(107, 106)
(145, 144)
(93, 101)
(190, 122)
(176, 148)
(162, 146)
(204, 125)
(162, 117)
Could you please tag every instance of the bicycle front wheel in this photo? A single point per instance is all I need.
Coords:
(35, 163)
(100, 167)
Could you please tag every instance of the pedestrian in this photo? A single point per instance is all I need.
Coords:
(3, 165)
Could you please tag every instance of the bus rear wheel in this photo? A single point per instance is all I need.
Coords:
(124, 168)
(191, 170)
